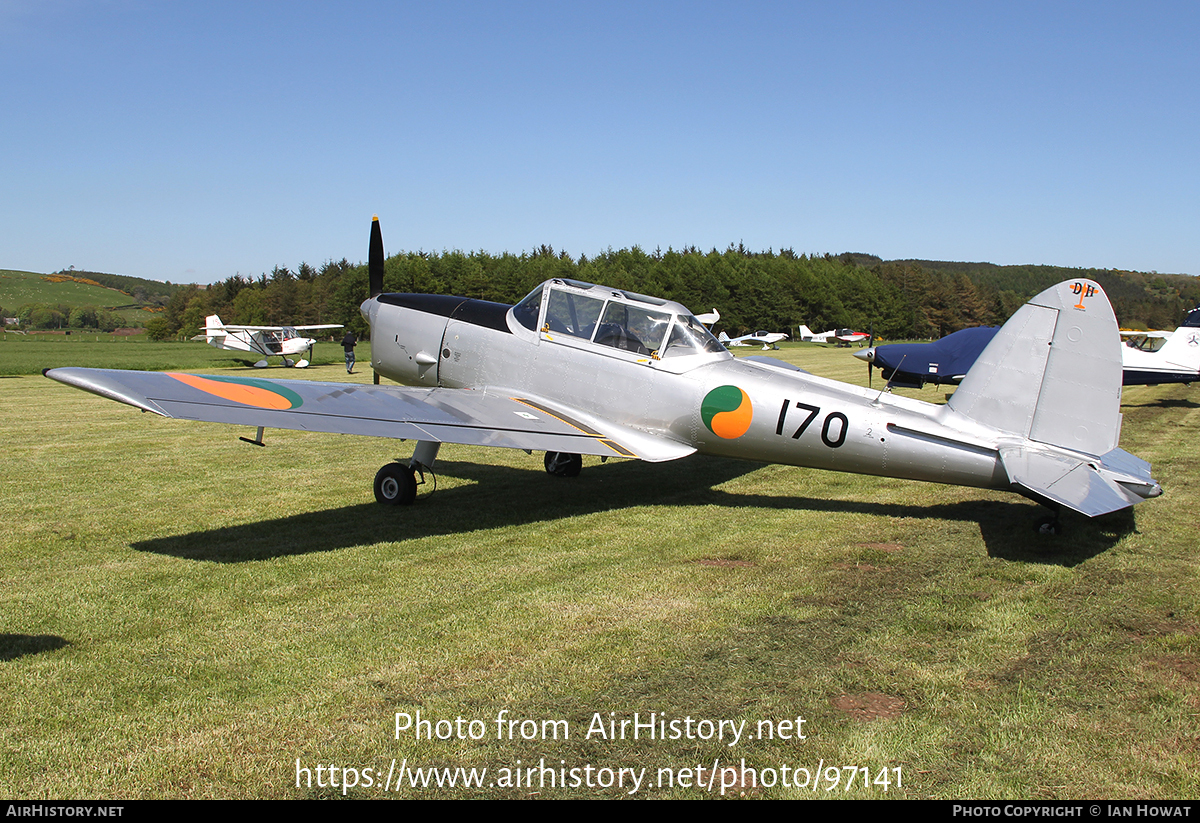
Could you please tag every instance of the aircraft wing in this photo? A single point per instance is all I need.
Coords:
(224, 327)
(471, 417)
(1126, 333)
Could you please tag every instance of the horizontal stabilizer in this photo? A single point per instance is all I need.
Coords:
(1069, 481)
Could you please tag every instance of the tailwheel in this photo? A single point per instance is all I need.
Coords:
(562, 464)
(1050, 526)
(395, 485)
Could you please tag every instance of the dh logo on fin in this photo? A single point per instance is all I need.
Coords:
(1083, 290)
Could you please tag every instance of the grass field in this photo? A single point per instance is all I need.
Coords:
(30, 353)
(186, 615)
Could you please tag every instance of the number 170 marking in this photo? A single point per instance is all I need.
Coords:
(813, 411)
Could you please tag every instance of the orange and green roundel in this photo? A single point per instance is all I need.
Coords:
(246, 390)
(727, 412)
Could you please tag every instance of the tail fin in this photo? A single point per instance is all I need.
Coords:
(1182, 349)
(213, 322)
(722, 338)
(1052, 373)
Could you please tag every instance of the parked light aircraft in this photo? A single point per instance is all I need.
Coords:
(768, 339)
(269, 341)
(1151, 358)
(575, 368)
(911, 365)
(1148, 358)
(842, 336)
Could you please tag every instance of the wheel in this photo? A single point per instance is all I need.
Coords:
(562, 464)
(395, 485)
(1049, 525)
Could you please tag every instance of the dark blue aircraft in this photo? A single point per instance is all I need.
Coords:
(1148, 358)
(912, 365)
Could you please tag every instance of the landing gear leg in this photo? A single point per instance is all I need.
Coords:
(424, 455)
(563, 464)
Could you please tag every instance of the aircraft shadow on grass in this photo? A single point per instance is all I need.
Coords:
(1165, 403)
(1007, 527)
(13, 646)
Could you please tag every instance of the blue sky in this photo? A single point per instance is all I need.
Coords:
(189, 142)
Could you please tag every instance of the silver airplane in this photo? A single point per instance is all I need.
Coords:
(576, 368)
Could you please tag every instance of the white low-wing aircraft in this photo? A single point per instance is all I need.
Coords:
(269, 341)
(846, 336)
(575, 368)
(768, 339)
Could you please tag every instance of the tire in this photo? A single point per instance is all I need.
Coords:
(395, 485)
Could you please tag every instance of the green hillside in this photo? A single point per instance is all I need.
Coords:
(76, 290)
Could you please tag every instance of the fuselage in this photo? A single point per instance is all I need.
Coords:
(612, 357)
(267, 343)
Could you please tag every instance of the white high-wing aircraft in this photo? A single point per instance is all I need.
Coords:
(269, 341)
(1156, 357)
(846, 336)
(576, 368)
(768, 339)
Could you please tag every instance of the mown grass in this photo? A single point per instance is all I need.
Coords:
(184, 615)
(30, 353)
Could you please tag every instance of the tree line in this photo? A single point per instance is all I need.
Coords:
(774, 290)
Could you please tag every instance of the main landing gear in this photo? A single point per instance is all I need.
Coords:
(562, 464)
(396, 483)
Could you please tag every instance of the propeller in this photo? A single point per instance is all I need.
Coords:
(375, 260)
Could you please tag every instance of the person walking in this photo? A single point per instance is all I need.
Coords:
(348, 343)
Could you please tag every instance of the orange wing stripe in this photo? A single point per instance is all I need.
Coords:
(237, 392)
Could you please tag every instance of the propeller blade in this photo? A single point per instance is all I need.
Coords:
(375, 258)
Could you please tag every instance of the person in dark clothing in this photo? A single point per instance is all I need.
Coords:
(348, 343)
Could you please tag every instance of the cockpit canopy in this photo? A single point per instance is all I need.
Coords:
(615, 318)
